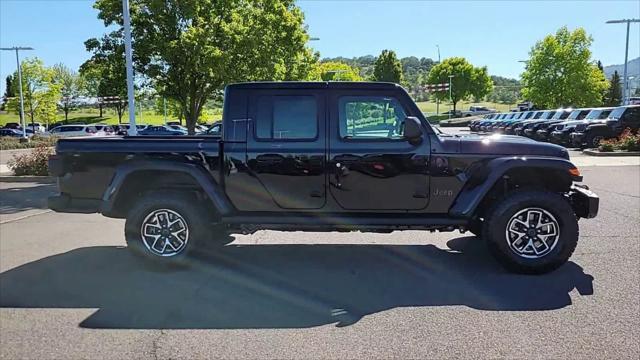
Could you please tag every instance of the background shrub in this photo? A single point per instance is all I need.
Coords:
(33, 163)
(9, 143)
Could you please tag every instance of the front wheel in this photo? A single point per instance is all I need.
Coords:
(593, 141)
(532, 232)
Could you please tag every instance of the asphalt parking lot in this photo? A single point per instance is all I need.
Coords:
(69, 289)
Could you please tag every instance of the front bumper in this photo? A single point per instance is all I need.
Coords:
(577, 138)
(585, 202)
(530, 133)
(560, 137)
(542, 134)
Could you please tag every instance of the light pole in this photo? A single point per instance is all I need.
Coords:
(22, 121)
(437, 99)
(450, 88)
(129, 59)
(625, 98)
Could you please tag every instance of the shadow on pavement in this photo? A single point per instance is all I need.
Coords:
(281, 286)
(20, 197)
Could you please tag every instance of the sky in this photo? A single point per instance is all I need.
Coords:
(496, 34)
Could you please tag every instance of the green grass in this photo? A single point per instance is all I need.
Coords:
(429, 107)
(91, 116)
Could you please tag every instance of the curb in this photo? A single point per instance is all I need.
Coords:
(39, 179)
(611, 153)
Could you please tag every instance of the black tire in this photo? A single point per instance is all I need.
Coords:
(192, 224)
(555, 255)
(593, 140)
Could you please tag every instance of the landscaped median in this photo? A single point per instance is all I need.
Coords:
(627, 144)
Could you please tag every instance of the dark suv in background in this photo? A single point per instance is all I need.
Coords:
(545, 129)
(561, 133)
(559, 116)
(621, 118)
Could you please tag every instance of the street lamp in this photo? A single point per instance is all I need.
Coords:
(450, 87)
(133, 130)
(625, 98)
(22, 123)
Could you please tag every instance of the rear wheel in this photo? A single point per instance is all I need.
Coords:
(532, 232)
(167, 226)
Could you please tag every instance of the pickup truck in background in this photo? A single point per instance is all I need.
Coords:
(478, 110)
(327, 156)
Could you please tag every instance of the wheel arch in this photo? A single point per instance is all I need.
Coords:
(131, 179)
(500, 175)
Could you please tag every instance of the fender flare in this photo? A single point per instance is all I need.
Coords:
(482, 178)
(215, 194)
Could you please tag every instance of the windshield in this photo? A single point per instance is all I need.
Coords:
(560, 115)
(617, 113)
(597, 114)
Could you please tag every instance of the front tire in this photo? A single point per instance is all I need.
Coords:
(166, 227)
(532, 232)
(593, 141)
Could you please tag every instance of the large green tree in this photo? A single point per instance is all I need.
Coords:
(387, 67)
(191, 48)
(41, 94)
(104, 73)
(560, 72)
(71, 86)
(334, 71)
(613, 96)
(467, 80)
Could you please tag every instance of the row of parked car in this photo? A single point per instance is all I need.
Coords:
(172, 128)
(569, 127)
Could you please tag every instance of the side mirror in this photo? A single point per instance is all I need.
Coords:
(412, 130)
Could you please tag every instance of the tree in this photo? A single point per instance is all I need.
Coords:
(71, 86)
(467, 80)
(41, 94)
(613, 96)
(8, 92)
(334, 71)
(560, 72)
(105, 72)
(191, 48)
(388, 67)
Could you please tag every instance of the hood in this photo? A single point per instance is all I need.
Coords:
(497, 144)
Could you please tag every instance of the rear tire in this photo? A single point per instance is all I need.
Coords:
(166, 227)
(532, 232)
(593, 141)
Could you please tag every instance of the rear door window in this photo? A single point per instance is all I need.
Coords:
(286, 117)
(370, 117)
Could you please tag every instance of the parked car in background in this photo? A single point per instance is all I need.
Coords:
(161, 130)
(74, 130)
(478, 110)
(545, 129)
(621, 118)
(634, 101)
(485, 124)
(546, 116)
(215, 129)
(123, 129)
(36, 127)
(179, 128)
(10, 132)
(561, 133)
(12, 125)
(559, 116)
(509, 129)
(107, 129)
(518, 128)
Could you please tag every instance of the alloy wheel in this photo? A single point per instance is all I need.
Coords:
(164, 232)
(532, 233)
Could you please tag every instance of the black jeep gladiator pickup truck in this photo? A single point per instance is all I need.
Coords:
(328, 156)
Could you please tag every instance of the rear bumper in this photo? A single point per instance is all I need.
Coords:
(584, 201)
(67, 204)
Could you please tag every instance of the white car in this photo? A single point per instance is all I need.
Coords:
(36, 127)
(74, 130)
